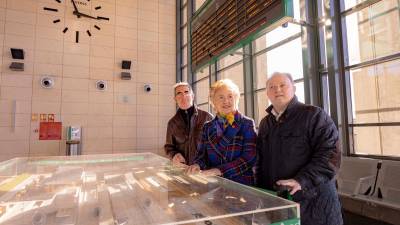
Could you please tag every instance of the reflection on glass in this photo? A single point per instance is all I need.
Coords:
(104, 189)
(286, 58)
(235, 73)
(372, 32)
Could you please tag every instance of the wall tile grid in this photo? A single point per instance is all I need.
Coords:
(124, 118)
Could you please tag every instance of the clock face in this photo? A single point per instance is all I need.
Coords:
(85, 15)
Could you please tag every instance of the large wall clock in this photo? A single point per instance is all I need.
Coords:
(85, 11)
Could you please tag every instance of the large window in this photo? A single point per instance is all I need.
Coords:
(371, 40)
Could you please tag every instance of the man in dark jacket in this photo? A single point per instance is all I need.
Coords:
(297, 149)
(184, 129)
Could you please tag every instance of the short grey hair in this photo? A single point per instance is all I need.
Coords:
(182, 84)
(274, 74)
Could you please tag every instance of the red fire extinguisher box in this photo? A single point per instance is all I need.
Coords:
(50, 131)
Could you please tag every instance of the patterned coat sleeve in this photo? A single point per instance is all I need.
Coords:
(201, 153)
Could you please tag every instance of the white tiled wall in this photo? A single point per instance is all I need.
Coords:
(124, 118)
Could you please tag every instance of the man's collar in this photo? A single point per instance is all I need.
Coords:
(292, 103)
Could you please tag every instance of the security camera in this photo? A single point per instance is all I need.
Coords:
(101, 85)
(47, 82)
(147, 88)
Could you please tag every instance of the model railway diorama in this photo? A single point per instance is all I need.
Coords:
(125, 189)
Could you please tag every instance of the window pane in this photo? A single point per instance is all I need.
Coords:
(260, 71)
(199, 3)
(184, 55)
(241, 104)
(260, 105)
(234, 73)
(282, 32)
(205, 107)
(202, 89)
(300, 91)
(376, 93)
(184, 15)
(184, 74)
(203, 72)
(230, 59)
(286, 58)
(372, 32)
(184, 35)
(366, 140)
(384, 140)
(376, 99)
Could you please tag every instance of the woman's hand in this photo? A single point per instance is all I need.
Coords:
(178, 159)
(211, 172)
(195, 168)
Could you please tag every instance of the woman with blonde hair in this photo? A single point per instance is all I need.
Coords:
(228, 144)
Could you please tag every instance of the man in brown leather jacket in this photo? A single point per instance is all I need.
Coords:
(184, 128)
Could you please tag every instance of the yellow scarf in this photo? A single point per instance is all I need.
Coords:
(230, 118)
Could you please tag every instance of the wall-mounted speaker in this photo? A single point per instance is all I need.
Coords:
(126, 64)
(17, 53)
(125, 76)
(17, 66)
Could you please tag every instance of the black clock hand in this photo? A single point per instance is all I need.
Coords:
(84, 15)
(76, 9)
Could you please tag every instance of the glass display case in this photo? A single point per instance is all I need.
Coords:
(127, 189)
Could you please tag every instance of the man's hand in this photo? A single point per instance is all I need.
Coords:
(178, 159)
(211, 172)
(195, 168)
(293, 185)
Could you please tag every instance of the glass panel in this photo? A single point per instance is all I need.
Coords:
(376, 93)
(234, 73)
(372, 32)
(259, 44)
(261, 103)
(184, 74)
(102, 188)
(391, 140)
(184, 35)
(282, 32)
(286, 58)
(367, 140)
(260, 71)
(184, 55)
(300, 91)
(350, 3)
(199, 3)
(203, 72)
(184, 15)
(202, 89)
(184, 2)
(241, 104)
(205, 107)
(230, 59)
